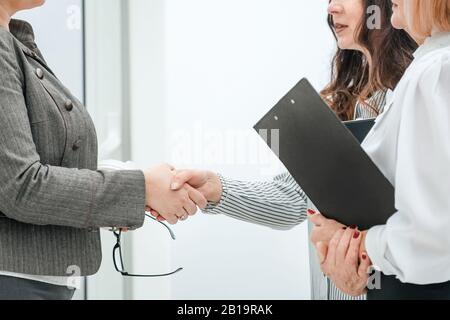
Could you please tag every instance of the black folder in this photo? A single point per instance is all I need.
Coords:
(327, 160)
(360, 128)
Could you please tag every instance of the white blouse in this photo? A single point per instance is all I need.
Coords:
(410, 143)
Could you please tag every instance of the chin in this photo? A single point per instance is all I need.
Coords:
(396, 23)
(343, 45)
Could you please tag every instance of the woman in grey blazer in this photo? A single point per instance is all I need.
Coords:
(53, 200)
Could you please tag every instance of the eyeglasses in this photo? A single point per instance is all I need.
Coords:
(118, 257)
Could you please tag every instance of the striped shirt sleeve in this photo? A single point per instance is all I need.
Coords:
(279, 204)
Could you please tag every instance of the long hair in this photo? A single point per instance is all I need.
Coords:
(353, 80)
(424, 16)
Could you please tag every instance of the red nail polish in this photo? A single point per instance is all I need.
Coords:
(364, 257)
(311, 212)
(353, 227)
(356, 235)
(344, 228)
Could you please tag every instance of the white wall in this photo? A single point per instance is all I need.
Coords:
(202, 73)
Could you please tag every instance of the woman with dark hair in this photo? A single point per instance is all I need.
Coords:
(360, 80)
(360, 69)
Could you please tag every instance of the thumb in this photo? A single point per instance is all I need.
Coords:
(180, 179)
(322, 250)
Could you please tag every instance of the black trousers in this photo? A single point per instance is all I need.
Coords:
(12, 288)
(393, 289)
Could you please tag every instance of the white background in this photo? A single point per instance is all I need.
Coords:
(203, 70)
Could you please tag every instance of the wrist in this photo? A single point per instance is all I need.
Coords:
(217, 188)
(147, 178)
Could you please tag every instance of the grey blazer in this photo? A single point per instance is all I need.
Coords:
(53, 200)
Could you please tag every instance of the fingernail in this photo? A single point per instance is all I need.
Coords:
(311, 212)
(353, 227)
(364, 256)
(174, 186)
(344, 228)
(356, 235)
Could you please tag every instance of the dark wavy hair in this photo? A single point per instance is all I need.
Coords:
(352, 78)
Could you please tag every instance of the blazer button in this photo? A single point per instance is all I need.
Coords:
(40, 73)
(76, 145)
(69, 105)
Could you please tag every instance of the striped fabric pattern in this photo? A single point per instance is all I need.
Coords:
(280, 204)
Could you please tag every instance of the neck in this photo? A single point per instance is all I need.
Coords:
(418, 39)
(5, 16)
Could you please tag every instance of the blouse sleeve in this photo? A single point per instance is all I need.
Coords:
(279, 204)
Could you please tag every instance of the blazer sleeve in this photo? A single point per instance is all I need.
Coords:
(34, 193)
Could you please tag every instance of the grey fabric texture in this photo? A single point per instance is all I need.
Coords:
(12, 288)
(53, 200)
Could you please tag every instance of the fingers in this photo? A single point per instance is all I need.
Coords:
(181, 178)
(316, 218)
(353, 250)
(322, 250)
(344, 244)
(196, 196)
(332, 247)
(190, 208)
(190, 198)
(158, 216)
(155, 214)
(171, 219)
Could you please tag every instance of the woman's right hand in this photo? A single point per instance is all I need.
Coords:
(173, 205)
(206, 182)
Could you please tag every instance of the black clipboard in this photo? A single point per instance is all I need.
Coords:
(327, 160)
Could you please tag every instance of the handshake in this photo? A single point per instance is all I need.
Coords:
(174, 195)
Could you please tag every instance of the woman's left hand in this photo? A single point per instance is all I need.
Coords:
(342, 262)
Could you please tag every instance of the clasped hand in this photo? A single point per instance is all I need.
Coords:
(341, 254)
(175, 195)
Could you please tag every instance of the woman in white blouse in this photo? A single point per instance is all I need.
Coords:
(410, 143)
